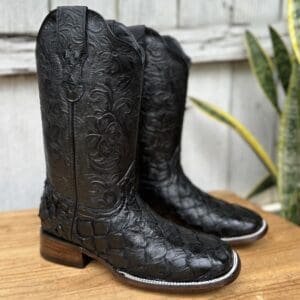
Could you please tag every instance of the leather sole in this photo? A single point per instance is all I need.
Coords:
(62, 252)
(248, 238)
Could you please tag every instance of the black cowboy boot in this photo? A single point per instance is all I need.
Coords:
(163, 183)
(90, 79)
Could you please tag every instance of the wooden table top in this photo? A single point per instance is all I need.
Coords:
(270, 267)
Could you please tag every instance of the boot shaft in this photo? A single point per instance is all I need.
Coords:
(163, 103)
(90, 80)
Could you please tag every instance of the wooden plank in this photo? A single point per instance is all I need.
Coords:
(21, 16)
(155, 13)
(270, 267)
(21, 153)
(107, 8)
(17, 56)
(223, 42)
(205, 142)
(253, 11)
(202, 12)
(249, 105)
(218, 43)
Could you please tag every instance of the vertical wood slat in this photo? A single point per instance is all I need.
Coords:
(107, 8)
(202, 12)
(250, 106)
(22, 16)
(251, 11)
(284, 14)
(155, 13)
(22, 163)
(205, 142)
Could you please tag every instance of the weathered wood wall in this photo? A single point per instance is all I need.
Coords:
(212, 34)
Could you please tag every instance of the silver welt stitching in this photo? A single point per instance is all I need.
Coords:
(251, 235)
(192, 283)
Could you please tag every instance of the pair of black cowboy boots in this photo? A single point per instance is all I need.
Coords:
(112, 103)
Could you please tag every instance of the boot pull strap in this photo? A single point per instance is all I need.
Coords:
(72, 49)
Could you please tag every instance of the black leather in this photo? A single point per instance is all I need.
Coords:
(90, 79)
(163, 183)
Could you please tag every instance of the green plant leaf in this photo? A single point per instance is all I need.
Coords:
(289, 150)
(294, 25)
(281, 58)
(226, 118)
(264, 184)
(261, 65)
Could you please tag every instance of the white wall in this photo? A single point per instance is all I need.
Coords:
(213, 156)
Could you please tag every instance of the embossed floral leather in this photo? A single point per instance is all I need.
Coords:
(90, 79)
(163, 183)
